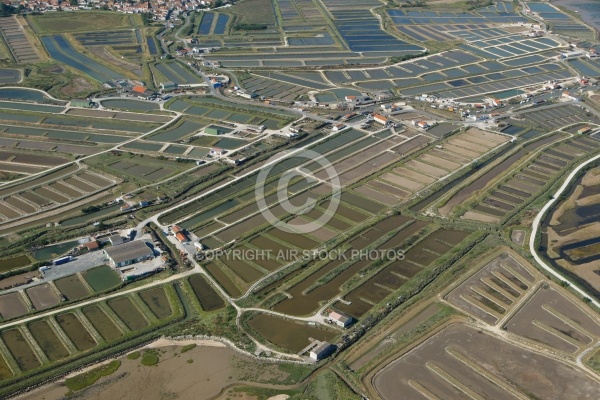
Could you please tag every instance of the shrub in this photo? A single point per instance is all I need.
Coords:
(86, 379)
(188, 347)
(149, 359)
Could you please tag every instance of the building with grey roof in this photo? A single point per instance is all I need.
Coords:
(129, 253)
(321, 350)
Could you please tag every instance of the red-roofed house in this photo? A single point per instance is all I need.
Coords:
(380, 119)
(182, 237)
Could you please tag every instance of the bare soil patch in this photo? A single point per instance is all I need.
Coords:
(428, 366)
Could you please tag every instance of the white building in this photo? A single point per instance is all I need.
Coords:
(340, 319)
(321, 351)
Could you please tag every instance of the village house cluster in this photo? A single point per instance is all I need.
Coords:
(160, 10)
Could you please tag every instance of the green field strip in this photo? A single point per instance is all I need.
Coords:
(4, 49)
(111, 314)
(35, 347)
(143, 308)
(190, 297)
(88, 325)
(62, 336)
(26, 299)
(177, 307)
(10, 360)
(56, 45)
(167, 66)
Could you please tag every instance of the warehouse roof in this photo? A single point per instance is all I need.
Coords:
(129, 251)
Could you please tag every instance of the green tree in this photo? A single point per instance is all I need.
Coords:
(6, 10)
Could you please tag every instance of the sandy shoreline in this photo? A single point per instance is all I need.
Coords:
(161, 342)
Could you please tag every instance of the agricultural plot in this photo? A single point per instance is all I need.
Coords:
(103, 124)
(362, 30)
(273, 88)
(423, 26)
(130, 105)
(19, 45)
(152, 46)
(177, 73)
(585, 68)
(491, 293)
(356, 36)
(5, 370)
(414, 175)
(221, 111)
(294, 80)
(157, 301)
(31, 159)
(101, 278)
(50, 194)
(550, 318)
(61, 50)
(20, 349)
(42, 296)
(124, 308)
(144, 169)
(26, 95)
(437, 368)
(409, 73)
(506, 45)
(560, 22)
(9, 76)
(213, 24)
(75, 331)
(111, 38)
(86, 21)
(12, 305)
(290, 335)
(127, 116)
(105, 326)
(236, 275)
(30, 107)
(173, 134)
(490, 176)
(72, 287)
(207, 296)
(48, 340)
(54, 136)
(498, 83)
(308, 295)
(529, 180)
(300, 15)
(391, 278)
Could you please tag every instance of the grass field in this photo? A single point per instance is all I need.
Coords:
(101, 278)
(85, 22)
(254, 12)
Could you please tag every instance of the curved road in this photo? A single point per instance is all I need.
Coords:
(536, 227)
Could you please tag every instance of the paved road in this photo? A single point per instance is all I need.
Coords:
(537, 223)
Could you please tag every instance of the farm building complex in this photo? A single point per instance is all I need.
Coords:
(129, 253)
